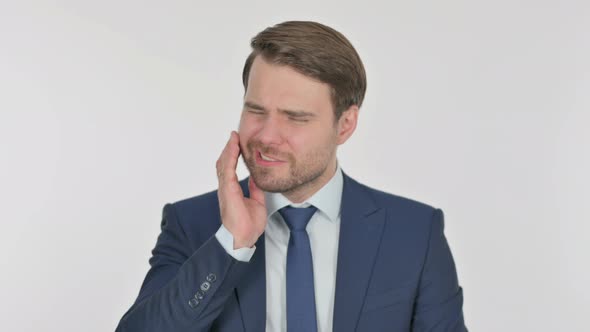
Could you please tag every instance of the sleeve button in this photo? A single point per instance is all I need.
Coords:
(193, 303)
(205, 286)
(211, 277)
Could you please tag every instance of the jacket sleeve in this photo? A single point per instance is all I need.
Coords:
(183, 291)
(439, 303)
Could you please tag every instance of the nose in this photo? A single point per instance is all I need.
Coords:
(271, 132)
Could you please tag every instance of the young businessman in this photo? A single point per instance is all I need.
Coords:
(299, 245)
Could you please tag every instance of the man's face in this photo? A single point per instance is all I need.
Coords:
(288, 136)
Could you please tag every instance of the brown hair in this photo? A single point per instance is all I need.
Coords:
(317, 51)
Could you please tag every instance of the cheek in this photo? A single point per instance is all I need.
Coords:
(242, 126)
(250, 122)
(326, 134)
(246, 130)
(244, 138)
(248, 134)
(311, 142)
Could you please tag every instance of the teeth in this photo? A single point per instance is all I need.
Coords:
(266, 158)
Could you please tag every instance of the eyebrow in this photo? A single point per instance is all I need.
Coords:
(294, 113)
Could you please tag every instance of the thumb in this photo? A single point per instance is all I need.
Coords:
(256, 193)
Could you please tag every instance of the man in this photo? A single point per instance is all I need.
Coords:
(299, 245)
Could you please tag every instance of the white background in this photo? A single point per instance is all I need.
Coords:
(110, 109)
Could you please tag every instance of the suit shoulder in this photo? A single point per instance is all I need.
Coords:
(206, 200)
(397, 202)
(414, 216)
(197, 205)
(205, 204)
(197, 216)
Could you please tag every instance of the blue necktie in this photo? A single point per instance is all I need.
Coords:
(301, 312)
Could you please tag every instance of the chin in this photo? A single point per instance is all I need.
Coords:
(265, 182)
(270, 183)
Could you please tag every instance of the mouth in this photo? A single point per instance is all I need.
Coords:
(264, 160)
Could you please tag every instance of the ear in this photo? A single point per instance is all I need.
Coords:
(347, 124)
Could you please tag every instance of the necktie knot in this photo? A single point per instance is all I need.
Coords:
(297, 218)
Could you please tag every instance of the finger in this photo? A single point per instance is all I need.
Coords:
(256, 193)
(223, 158)
(229, 160)
(228, 179)
(233, 152)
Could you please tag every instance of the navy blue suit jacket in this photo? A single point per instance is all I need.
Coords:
(395, 271)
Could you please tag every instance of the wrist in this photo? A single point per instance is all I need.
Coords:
(238, 244)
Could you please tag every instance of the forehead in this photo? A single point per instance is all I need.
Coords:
(280, 86)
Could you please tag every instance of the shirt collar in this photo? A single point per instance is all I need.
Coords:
(327, 199)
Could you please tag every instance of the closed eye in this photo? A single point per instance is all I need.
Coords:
(253, 111)
(302, 120)
(298, 116)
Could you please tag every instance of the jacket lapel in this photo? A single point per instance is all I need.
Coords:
(361, 225)
(251, 291)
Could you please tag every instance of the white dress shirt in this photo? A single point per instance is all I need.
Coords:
(323, 230)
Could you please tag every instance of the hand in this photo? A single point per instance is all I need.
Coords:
(244, 218)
